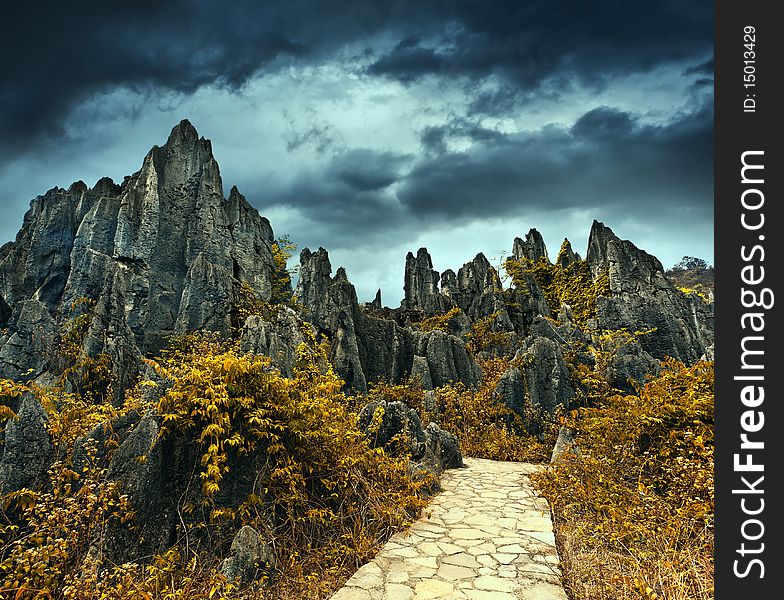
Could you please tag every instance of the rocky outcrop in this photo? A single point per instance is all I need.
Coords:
(249, 553)
(376, 304)
(28, 346)
(398, 429)
(510, 390)
(548, 382)
(27, 448)
(165, 253)
(277, 338)
(642, 298)
(367, 348)
(421, 284)
(565, 445)
(93, 448)
(37, 264)
(149, 476)
(480, 294)
(566, 256)
(631, 364)
(538, 383)
(161, 254)
(533, 247)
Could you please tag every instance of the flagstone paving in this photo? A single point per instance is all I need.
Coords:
(486, 536)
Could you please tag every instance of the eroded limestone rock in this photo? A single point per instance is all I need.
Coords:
(27, 448)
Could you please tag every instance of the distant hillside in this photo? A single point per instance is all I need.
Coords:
(693, 274)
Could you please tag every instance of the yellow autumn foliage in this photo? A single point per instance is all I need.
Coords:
(571, 284)
(636, 504)
(324, 499)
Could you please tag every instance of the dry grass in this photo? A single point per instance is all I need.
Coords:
(634, 510)
(599, 572)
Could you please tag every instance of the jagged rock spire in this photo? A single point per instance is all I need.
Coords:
(421, 281)
(376, 304)
(161, 254)
(567, 256)
(532, 248)
(598, 240)
(641, 298)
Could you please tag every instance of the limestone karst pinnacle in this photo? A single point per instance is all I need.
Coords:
(159, 255)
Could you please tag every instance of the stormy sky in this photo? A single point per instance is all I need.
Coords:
(375, 127)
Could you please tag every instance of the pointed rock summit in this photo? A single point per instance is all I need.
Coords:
(533, 247)
(159, 255)
(567, 256)
(642, 298)
(367, 349)
(421, 282)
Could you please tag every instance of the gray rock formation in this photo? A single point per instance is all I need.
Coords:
(248, 554)
(28, 348)
(533, 247)
(27, 448)
(510, 390)
(421, 284)
(99, 438)
(565, 445)
(567, 256)
(399, 430)
(442, 452)
(368, 349)
(631, 364)
(277, 338)
(376, 304)
(420, 371)
(547, 379)
(540, 385)
(642, 298)
(139, 465)
(479, 293)
(161, 254)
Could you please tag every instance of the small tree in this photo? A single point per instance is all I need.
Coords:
(688, 263)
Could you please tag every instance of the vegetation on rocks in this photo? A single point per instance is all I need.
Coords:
(324, 499)
(570, 284)
(440, 322)
(484, 426)
(240, 463)
(634, 508)
(693, 276)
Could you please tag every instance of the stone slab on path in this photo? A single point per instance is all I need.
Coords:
(486, 536)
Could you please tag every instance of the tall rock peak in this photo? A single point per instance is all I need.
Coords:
(420, 284)
(598, 240)
(162, 254)
(567, 256)
(183, 134)
(533, 247)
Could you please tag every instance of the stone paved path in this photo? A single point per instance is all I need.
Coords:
(487, 536)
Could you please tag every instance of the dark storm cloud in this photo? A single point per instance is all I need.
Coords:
(705, 68)
(366, 170)
(528, 43)
(606, 159)
(56, 55)
(349, 191)
(316, 135)
(434, 138)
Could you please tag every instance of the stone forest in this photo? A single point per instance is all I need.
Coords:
(185, 415)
